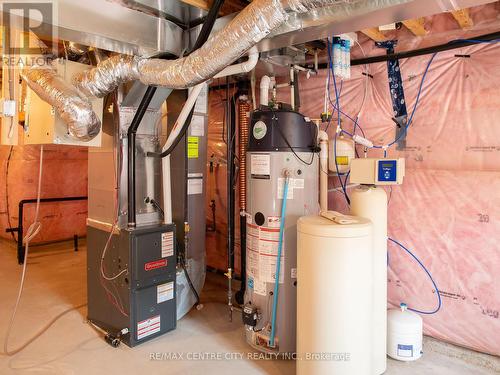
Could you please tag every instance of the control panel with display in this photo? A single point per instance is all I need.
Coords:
(371, 171)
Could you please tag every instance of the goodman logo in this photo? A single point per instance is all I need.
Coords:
(155, 264)
(30, 35)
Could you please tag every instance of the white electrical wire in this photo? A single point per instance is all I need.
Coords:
(33, 230)
(117, 171)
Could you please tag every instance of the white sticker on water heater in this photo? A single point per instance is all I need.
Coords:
(262, 250)
(281, 188)
(260, 164)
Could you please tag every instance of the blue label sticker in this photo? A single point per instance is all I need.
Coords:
(250, 283)
(405, 350)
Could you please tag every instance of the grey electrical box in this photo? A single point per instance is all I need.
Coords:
(142, 298)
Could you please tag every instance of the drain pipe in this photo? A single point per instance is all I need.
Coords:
(265, 83)
(323, 170)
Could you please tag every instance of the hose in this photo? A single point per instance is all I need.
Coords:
(278, 261)
(428, 274)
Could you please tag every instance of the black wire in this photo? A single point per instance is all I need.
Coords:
(202, 38)
(288, 143)
(191, 286)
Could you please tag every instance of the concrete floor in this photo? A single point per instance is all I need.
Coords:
(56, 282)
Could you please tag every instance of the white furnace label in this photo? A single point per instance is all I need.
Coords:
(262, 251)
(195, 186)
(197, 126)
(202, 101)
(148, 327)
(167, 244)
(260, 164)
(165, 292)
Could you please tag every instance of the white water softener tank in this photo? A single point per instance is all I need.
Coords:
(404, 334)
(334, 295)
(371, 202)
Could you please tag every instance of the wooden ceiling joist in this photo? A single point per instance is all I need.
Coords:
(463, 18)
(229, 6)
(374, 34)
(416, 26)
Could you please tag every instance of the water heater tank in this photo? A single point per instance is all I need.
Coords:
(404, 334)
(280, 141)
(334, 296)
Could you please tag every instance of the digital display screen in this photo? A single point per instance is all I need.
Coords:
(387, 171)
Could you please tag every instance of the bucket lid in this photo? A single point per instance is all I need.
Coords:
(320, 226)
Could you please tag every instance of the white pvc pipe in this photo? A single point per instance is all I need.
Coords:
(265, 82)
(323, 170)
(292, 89)
(243, 67)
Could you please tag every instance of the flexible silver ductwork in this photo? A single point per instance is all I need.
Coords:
(250, 26)
(74, 108)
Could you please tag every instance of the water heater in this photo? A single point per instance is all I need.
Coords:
(282, 142)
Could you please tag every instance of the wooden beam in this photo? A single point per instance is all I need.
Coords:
(375, 34)
(416, 26)
(462, 17)
(202, 4)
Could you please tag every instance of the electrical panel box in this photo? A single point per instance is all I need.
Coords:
(370, 171)
(43, 125)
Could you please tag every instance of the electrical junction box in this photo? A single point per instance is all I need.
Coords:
(10, 117)
(371, 171)
(43, 125)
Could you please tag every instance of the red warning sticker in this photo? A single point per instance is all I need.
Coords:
(155, 264)
(148, 327)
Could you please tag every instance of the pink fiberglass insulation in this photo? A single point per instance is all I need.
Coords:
(447, 211)
(64, 174)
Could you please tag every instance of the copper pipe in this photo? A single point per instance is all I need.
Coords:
(243, 121)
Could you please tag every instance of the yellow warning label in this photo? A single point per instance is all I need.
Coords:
(342, 160)
(192, 147)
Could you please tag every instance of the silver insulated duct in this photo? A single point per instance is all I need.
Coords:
(74, 108)
(249, 27)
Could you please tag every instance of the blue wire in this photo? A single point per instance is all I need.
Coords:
(428, 274)
(278, 264)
